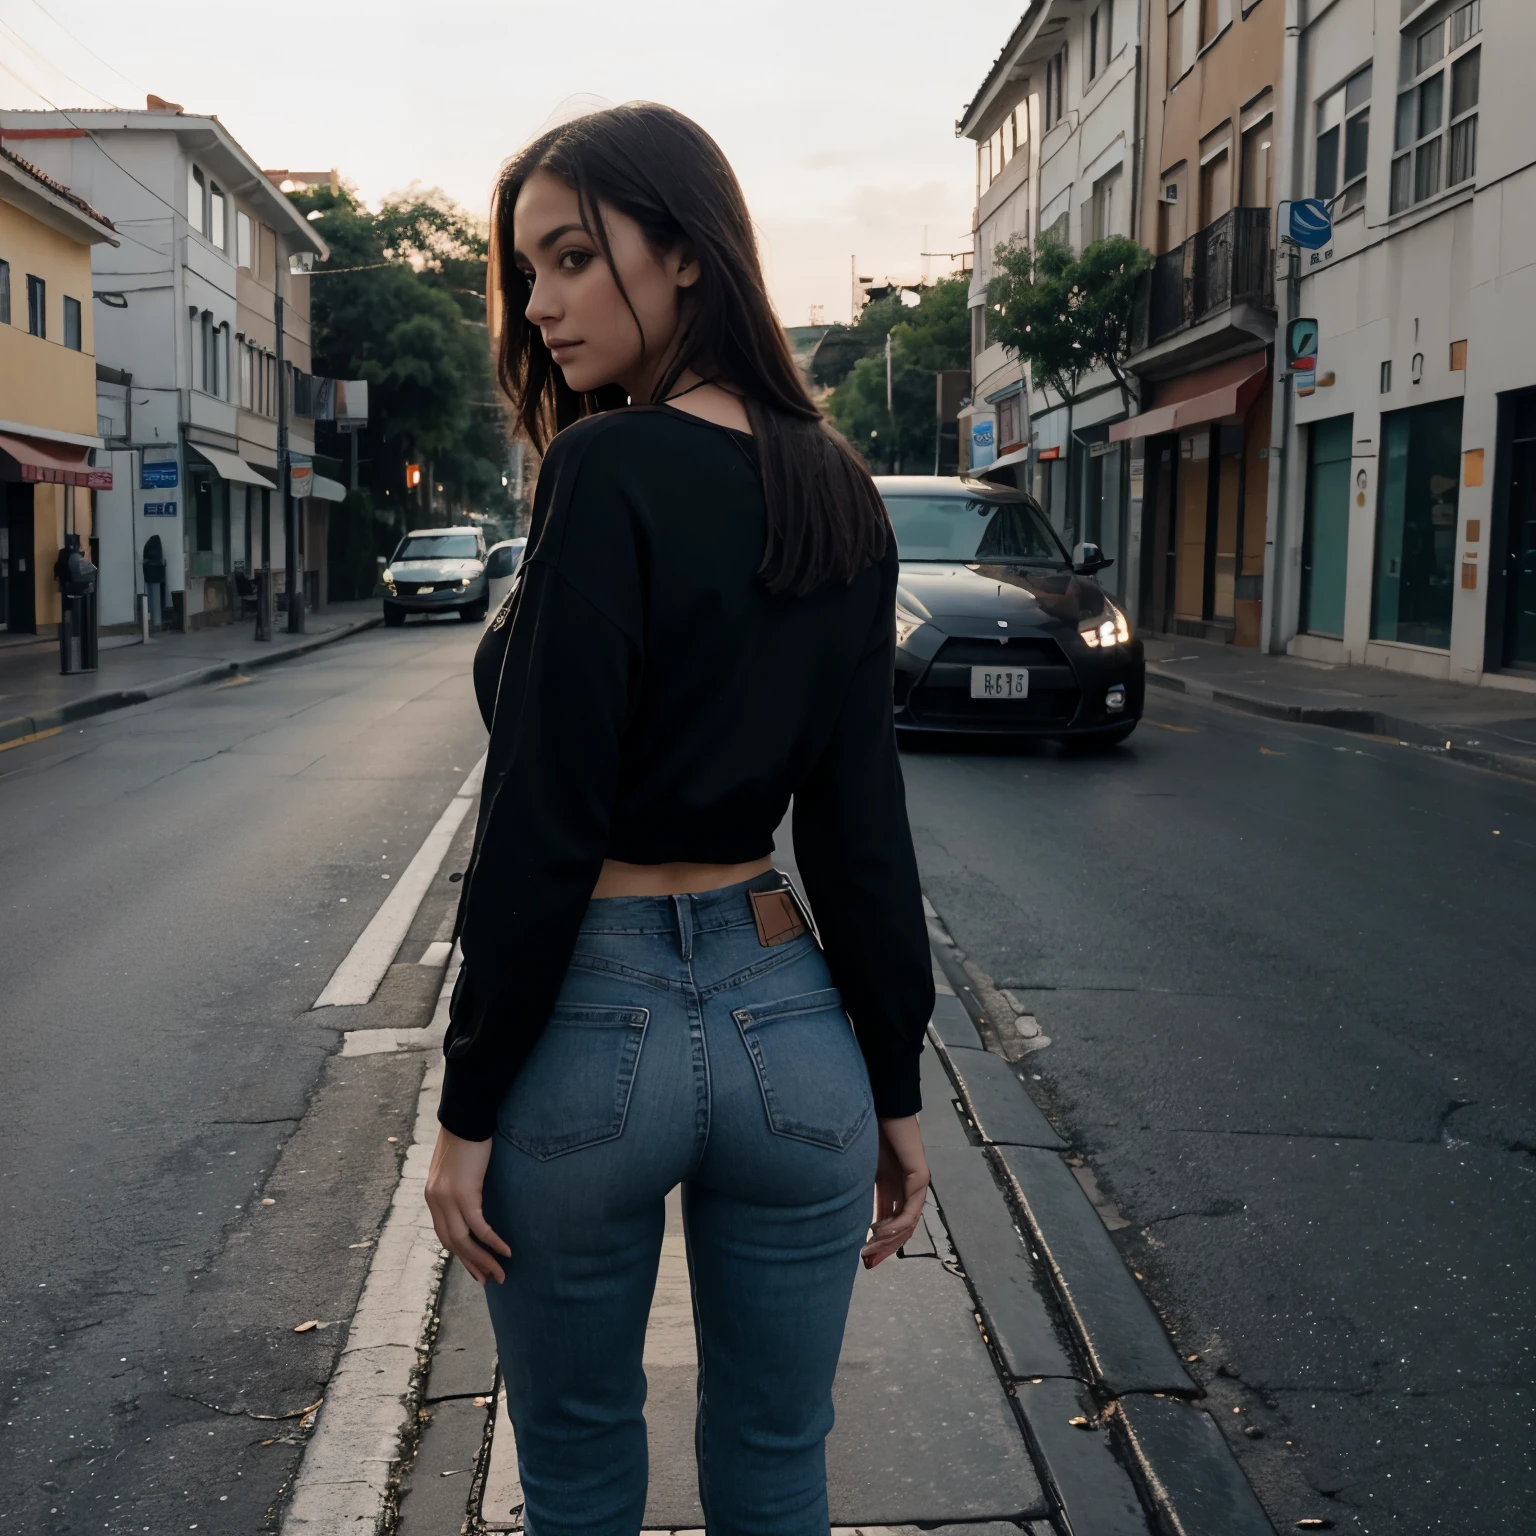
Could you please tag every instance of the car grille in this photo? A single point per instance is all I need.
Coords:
(411, 588)
(943, 697)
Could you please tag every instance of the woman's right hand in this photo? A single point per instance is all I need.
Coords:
(901, 1187)
(454, 1184)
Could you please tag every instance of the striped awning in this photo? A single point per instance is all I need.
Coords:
(40, 462)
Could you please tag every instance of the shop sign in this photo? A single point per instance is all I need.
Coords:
(983, 442)
(159, 509)
(161, 476)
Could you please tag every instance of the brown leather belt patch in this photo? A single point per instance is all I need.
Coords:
(777, 917)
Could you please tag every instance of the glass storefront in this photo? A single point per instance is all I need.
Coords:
(1325, 542)
(1416, 525)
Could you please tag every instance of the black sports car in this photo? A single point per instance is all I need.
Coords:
(998, 629)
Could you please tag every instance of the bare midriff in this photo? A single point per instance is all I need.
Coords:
(620, 879)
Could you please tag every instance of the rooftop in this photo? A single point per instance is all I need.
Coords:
(55, 193)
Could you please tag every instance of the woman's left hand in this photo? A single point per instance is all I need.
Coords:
(454, 1184)
(901, 1187)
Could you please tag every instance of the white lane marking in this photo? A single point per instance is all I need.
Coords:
(357, 978)
(436, 954)
(376, 1042)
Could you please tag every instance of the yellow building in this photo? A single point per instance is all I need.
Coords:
(47, 387)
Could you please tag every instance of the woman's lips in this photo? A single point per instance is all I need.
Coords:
(557, 347)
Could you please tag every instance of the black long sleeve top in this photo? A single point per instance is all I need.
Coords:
(649, 700)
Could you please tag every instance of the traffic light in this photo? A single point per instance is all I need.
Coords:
(412, 476)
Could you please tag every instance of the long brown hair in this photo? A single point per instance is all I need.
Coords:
(825, 518)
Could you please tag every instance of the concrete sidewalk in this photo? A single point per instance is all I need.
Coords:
(1491, 726)
(1003, 1376)
(36, 699)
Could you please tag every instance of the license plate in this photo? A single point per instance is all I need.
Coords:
(999, 682)
(422, 591)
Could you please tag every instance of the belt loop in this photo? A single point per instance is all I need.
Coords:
(683, 907)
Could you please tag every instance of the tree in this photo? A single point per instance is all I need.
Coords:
(925, 339)
(1068, 315)
(401, 303)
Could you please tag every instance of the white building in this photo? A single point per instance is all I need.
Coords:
(1408, 535)
(1055, 128)
(186, 332)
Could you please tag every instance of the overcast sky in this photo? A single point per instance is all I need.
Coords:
(838, 117)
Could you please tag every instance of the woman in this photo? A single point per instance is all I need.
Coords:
(702, 627)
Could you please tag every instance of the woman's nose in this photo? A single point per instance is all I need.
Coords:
(541, 307)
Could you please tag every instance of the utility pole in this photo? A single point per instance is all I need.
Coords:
(890, 410)
(293, 576)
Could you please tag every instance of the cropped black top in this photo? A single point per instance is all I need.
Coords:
(649, 700)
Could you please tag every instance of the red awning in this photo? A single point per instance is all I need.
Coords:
(1233, 399)
(51, 463)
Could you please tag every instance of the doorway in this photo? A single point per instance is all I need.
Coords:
(18, 606)
(1519, 537)
(1325, 536)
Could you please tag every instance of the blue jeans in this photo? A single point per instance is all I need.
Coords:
(681, 1050)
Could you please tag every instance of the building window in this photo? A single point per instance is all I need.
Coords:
(197, 200)
(1100, 38)
(5, 293)
(72, 324)
(1010, 423)
(221, 361)
(1018, 121)
(1215, 17)
(1101, 210)
(1256, 190)
(1435, 139)
(1055, 80)
(266, 254)
(1343, 142)
(246, 381)
(1215, 185)
(1416, 525)
(216, 215)
(210, 368)
(1175, 42)
(37, 306)
(243, 255)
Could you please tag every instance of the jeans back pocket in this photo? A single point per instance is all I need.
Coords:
(814, 1083)
(573, 1091)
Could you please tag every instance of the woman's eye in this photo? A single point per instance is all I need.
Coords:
(574, 260)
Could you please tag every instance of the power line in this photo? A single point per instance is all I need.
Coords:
(71, 36)
(42, 58)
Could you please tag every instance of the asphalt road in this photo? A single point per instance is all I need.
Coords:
(177, 882)
(1287, 976)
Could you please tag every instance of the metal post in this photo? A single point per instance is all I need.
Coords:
(293, 577)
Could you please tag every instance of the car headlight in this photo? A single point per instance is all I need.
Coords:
(907, 624)
(388, 577)
(464, 581)
(1111, 629)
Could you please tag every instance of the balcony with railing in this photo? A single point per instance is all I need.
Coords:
(1228, 262)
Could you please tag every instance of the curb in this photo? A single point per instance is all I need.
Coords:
(20, 727)
(1186, 1474)
(1362, 722)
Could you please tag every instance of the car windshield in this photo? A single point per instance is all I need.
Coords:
(973, 528)
(440, 546)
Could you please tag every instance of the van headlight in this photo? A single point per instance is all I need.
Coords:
(1111, 629)
(388, 578)
(907, 624)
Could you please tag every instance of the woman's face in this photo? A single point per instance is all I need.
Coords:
(574, 300)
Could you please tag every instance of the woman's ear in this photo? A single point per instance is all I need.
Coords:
(685, 266)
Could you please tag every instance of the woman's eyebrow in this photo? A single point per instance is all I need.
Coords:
(545, 241)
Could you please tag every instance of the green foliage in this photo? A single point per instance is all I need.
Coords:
(411, 321)
(1067, 315)
(933, 336)
(845, 345)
